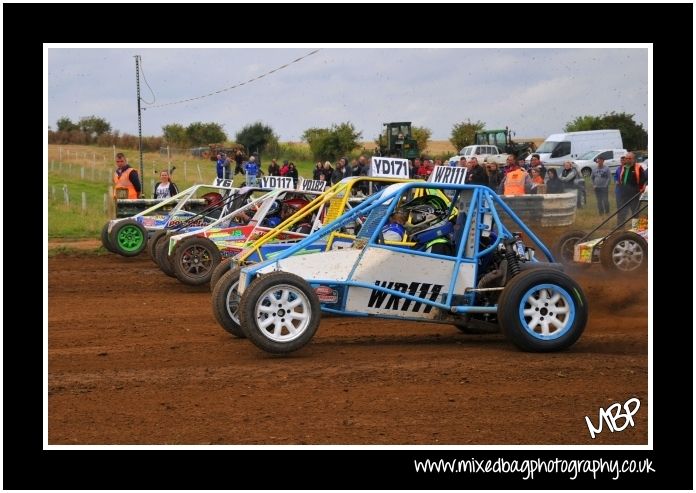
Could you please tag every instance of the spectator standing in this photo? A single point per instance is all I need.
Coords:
(222, 166)
(273, 168)
(535, 163)
(632, 180)
(328, 170)
(125, 178)
(553, 184)
(239, 160)
(318, 171)
(285, 168)
(476, 174)
(292, 172)
(342, 171)
(516, 180)
(166, 187)
(251, 170)
(570, 176)
(495, 176)
(601, 177)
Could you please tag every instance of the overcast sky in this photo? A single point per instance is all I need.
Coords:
(533, 91)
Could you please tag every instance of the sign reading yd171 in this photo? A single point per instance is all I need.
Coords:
(389, 167)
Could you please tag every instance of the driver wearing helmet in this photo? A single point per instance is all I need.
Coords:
(273, 217)
(394, 230)
(290, 207)
(428, 224)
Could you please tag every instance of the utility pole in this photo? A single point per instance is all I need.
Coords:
(140, 127)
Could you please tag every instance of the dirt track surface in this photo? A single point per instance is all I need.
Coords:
(135, 357)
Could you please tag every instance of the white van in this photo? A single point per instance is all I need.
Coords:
(568, 146)
(612, 160)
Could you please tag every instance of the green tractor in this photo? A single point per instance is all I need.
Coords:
(503, 140)
(396, 140)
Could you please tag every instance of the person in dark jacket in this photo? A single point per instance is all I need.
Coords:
(553, 184)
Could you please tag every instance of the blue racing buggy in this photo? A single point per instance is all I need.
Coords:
(468, 269)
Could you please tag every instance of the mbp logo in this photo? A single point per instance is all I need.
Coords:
(377, 297)
(612, 414)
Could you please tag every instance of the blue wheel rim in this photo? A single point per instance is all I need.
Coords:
(547, 312)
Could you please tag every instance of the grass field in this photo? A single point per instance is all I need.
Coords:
(85, 171)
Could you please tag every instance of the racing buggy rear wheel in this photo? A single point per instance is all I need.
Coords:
(194, 260)
(625, 252)
(162, 256)
(219, 271)
(106, 242)
(226, 302)
(565, 246)
(152, 243)
(128, 237)
(279, 312)
(542, 310)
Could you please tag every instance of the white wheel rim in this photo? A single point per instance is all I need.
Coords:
(232, 302)
(627, 255)
(282, 313)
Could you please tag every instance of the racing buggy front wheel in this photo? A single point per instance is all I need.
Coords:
(194, 260)
(106, 242)
(128, 237)
(625, 252)
(152, 243)
(226, 302)
(162, 256)
(279, 312)
(565, 246)
(542, 310)
(219, 271)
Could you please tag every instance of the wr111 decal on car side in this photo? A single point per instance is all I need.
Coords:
(419, 289)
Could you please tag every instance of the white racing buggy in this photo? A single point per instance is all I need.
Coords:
(622, 251)
(196, 206)
(468, 271)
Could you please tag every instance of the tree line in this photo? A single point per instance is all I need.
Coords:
(325, 143)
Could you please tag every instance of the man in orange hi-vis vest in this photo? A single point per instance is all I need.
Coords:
(126, 180)
(517, 180)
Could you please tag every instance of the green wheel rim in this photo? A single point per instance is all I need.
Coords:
(130, 238)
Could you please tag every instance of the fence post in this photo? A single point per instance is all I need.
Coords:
(60, 153)
(84, 203)
(106, 206)
(114, 146)
(152, 184)
(82, 173)
(200, 177)
(185, 171)
(169, 161)
(53, 192)
(66, 196)
(111, 203)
